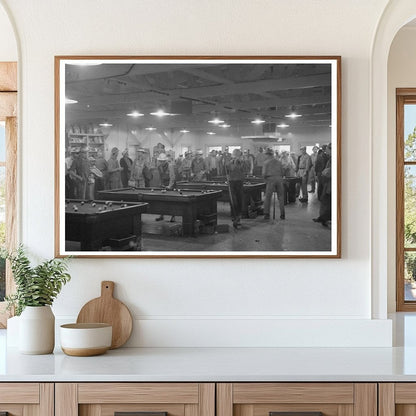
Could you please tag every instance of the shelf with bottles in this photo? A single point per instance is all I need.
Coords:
(93, 141)
(77, 138)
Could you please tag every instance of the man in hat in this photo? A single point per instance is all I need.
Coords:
(114, 170)
(140, 171)
(211, 164)
(125, 164)
(321, 161)
(273, 174)
(80, 170)
(304, 166)
(102, 165)
(250, 160)
(259, 161)
(167, 174)
(198, 167)
(325, 208)
(312, 173)
(236, 169)
(186, 167)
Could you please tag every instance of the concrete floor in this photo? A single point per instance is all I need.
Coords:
(296, 233)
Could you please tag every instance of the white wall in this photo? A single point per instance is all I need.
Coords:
(224, 301)
(8, 46)
(401, 74)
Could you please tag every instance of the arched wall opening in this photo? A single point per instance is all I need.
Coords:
(383, 163)
(401, 74)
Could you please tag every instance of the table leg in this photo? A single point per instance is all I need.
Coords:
(188, 220)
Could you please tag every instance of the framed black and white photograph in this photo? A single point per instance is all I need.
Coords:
(198, 156)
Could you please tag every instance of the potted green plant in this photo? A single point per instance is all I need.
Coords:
(36, 289)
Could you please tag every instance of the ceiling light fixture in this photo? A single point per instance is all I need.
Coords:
(70, 101)
(160, 113)
(225, 126)
(293, 115)
(184, 131)
(283, 125)
(150, 128)
(258, 121)
(135, 114)
(211, 133)
(216, 121)
(105, 124)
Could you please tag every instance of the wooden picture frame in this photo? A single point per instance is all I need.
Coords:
(109, 103)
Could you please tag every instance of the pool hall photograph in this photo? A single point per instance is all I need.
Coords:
(197, 156)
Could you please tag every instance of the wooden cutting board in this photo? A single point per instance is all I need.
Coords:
(108, 310)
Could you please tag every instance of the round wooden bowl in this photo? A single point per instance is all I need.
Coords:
(84, 340)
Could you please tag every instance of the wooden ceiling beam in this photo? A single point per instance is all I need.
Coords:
(138, 99)
(79, 74)
(257, 86)
(205, 75)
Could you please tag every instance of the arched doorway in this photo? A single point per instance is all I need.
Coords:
(395, 16)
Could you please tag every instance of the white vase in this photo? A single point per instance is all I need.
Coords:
(37, 330)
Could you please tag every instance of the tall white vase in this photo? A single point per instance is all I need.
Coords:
(37, 330)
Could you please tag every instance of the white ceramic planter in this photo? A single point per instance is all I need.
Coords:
(37, 330)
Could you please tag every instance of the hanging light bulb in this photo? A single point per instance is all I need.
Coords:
(216, 121)
(160, 113)
(105, 124)
(293, 115)
(135, 114)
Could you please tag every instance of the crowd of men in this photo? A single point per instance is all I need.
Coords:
(84, 176)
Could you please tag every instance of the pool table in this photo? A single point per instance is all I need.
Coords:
(96, 224)
(289, 183)
(248, 178)
(191, 205)
(252, 198)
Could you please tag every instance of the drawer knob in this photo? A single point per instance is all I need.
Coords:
(140, 414)
(295, 413)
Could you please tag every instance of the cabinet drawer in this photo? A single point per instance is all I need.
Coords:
(146, 399)
(397, 399)
(21, 399)
(297, 399)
